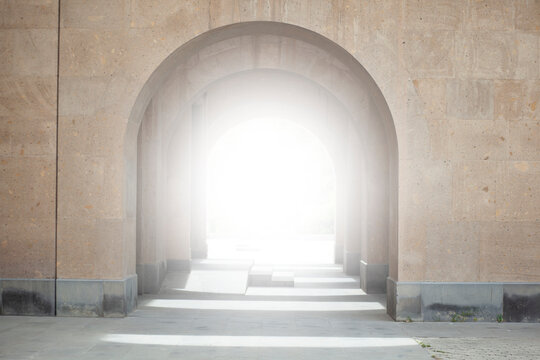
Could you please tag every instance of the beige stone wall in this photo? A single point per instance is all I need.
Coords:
(468, 171)
(28, 67)
(461, 77)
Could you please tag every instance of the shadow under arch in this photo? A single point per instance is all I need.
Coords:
(238, 47)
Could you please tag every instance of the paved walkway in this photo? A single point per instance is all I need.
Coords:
(210, 315)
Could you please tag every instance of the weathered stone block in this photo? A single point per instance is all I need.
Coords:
(427, 188)
(430, 55)
(373, 277)
(27, 297)
(491, 15)
(408, 302)
(35, 14)
(95, 95)
(28, 52)
(96, 298)
(28, 96)
(28, 187)
(452, 250)
(509, 250)
(119, 297)
(432, 97)
(524, 140)
(518, 198)
(527, 15)
(461, 301)
(469, 301)
(434, 15)
(509, 99)
(470, 99)
(103, 14)
(477, 140)
(517, 100)
(27, 136)
(79, 297)
(26, 247)
(94, 196)
(92, 52)
(521, 302)
(87, 248)
(474, 190)
(150, 277)
(531, 105)
(487, 55)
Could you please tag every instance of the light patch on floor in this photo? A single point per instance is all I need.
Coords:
(259, 341)
(245, 305)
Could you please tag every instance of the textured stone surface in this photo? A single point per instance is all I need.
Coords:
(458, 302)
(470, 99)
(452, 119)
(461, 79)
(96, 298)
(521, 302)
(373, 277)
(27, 297)
(28, 47)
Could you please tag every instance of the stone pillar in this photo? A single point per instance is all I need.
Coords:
(374, 261)
(178, 200)
(339, 245)
(355, 227)
(151, 265)
(199, 247)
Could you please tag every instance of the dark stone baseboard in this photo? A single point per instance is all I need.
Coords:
(373, 277)
(179, 265)
(338, 253)
(150, 277)
(442, 301)
(521, 302)
(27, 297)
(96, 298)
(351, 263)
(74, 297)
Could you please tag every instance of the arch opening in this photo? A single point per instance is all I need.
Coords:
(180, 110)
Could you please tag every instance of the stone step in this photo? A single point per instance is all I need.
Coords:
(282, 279)
(338, 282)
(260, 276)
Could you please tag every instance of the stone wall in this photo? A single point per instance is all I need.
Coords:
(461, 78)
(28, 68)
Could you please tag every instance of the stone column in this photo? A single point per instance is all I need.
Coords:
(178, 200)
(374, 260)
(199, 247)
(355, 224)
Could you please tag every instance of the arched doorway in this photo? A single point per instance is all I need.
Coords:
(286, 68)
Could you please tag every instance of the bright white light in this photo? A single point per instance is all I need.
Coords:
(270, 179)
(275, 250)
(259, 341)
(265, 305)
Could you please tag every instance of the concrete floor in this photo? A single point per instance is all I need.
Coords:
(210, 315)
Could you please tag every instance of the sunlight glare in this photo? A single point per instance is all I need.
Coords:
(270, 180)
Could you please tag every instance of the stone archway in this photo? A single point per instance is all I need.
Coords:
(176, 94)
